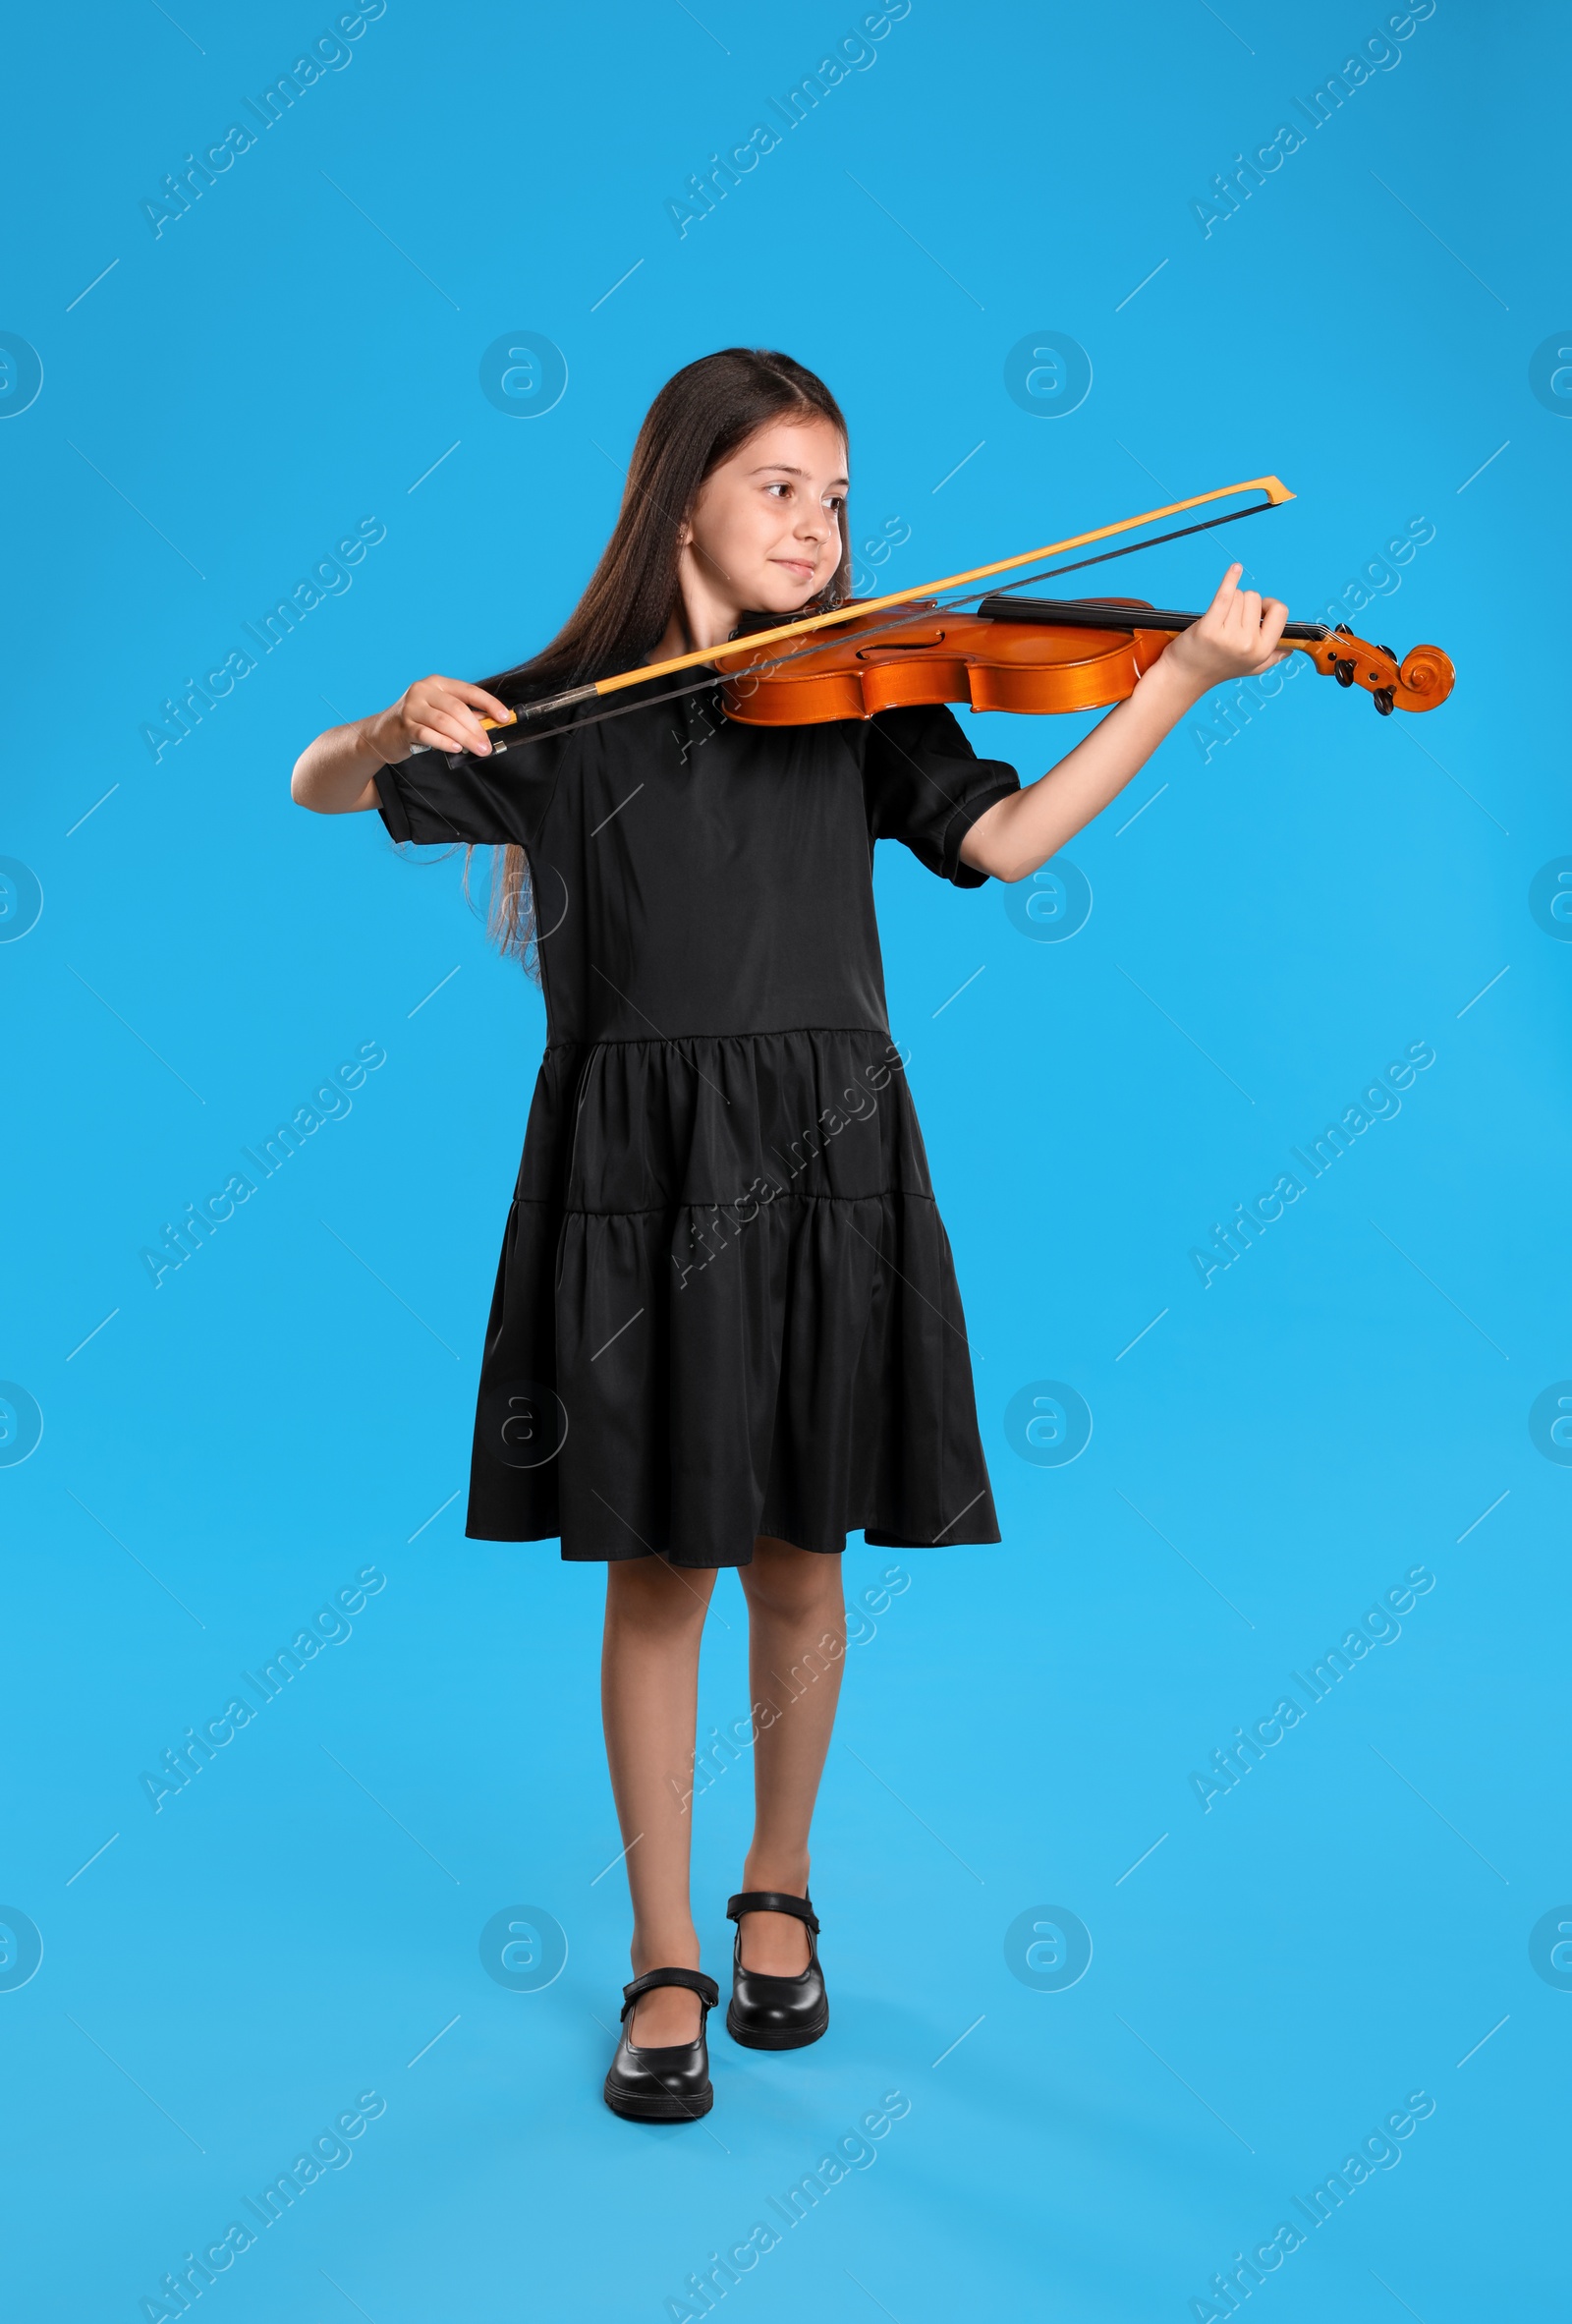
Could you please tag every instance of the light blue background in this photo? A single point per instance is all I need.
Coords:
(1351, 1922)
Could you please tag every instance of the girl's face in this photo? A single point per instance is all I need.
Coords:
(766, 529)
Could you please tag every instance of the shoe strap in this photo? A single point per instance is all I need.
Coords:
(772, 1900)
(694, 1980)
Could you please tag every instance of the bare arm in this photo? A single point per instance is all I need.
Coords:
(335, 775)
(1235, 637)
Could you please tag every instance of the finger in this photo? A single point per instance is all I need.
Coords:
(448, 708)
(432, 739)
(1227, 590)
(444, 733)
(1274, 617)
(478, 696)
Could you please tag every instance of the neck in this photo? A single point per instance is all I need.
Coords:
(705, 612)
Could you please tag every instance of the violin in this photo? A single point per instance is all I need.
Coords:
(1031, 655)
(1019, 653)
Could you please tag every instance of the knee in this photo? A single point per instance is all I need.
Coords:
(647, 1594)
(792, 1584)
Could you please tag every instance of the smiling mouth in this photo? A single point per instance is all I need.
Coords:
(799, 565)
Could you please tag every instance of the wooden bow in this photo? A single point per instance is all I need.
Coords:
(859, 608)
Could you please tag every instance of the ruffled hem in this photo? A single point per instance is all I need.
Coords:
(726, 1306)
(658, 1384)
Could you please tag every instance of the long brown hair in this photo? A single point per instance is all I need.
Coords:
(699, 417)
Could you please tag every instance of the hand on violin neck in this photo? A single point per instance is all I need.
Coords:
(1238, 634)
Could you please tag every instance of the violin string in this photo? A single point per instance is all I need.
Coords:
(898, 620)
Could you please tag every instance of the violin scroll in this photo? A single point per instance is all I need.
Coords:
(1420, 682)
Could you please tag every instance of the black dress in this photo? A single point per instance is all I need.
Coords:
(726, 1304)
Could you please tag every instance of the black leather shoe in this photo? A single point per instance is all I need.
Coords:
(776, 2012)
(669, 2085)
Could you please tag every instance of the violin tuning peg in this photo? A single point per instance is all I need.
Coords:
(1390, 651)
(1343, 672)
(1383, 699)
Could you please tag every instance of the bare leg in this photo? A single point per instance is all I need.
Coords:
(649, 1696)
(796, 1643)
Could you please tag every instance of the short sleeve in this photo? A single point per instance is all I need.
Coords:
(493, 802)
(924, 784)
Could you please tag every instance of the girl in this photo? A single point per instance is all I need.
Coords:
(727, 1330)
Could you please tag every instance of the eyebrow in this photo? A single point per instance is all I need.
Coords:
(784, 468)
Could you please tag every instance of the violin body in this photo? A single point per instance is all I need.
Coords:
(936, 656)
(1028, 656)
